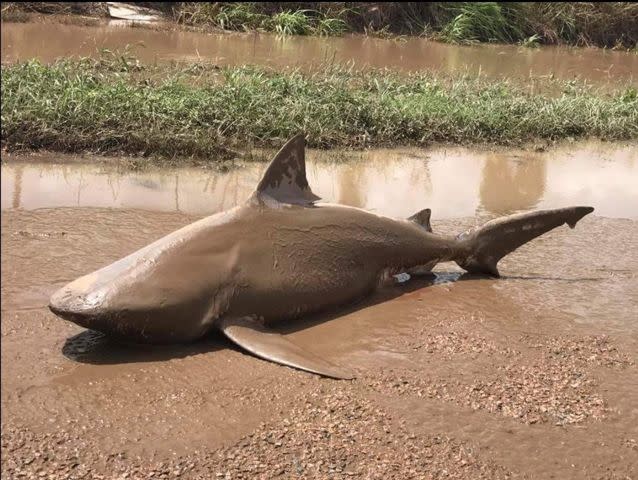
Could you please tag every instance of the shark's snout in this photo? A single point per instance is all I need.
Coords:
(101, 308)
(68, 311)
(76, 305)
(60, 310)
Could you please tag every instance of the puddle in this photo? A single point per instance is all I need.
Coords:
(47, 42)
(453, 182)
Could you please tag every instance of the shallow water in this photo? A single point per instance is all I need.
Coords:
(48, 41)
(454, 182)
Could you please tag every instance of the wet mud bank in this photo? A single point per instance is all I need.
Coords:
(529, 376)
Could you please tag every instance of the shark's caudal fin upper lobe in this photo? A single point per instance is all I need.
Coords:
(482, 248)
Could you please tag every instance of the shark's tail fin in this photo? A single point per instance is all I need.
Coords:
(483, 247)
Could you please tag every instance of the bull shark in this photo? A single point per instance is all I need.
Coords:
(280, 255)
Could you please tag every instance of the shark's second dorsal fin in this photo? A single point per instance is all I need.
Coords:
(422, 218)
(285, 178)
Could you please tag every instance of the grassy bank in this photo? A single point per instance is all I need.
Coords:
(603, 24)
(19, 11)
(118, 106)
(610, 24)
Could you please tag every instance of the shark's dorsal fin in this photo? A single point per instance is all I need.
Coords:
(285, 178)
(422, 218)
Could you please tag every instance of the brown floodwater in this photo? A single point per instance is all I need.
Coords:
(49, 41)
(534, 372)
(454, 182)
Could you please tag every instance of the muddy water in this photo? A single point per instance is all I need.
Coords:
(47, 42)
(453, 182)
(553, 340)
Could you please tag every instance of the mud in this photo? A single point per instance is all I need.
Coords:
(529, 376)
(49, 41)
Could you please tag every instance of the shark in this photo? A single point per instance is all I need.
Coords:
(278, 256)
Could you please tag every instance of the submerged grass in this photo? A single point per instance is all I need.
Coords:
(111, 106)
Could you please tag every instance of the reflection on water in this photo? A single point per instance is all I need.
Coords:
(454, 182)
(47, 42)
(510, 183)
(349, 193)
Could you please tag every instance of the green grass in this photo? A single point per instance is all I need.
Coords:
(239, 16)
(245, 16)
(331, 26)
(481, 22)
(291, 23)
(116, 105)
(605, 24)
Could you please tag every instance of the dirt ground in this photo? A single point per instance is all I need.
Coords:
(529, 376)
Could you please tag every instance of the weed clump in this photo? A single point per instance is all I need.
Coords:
(481, 22)
(246, 16)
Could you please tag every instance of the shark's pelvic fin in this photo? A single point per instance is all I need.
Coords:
(285, 178)
(482, 248)
(422, 218)
(252, 336)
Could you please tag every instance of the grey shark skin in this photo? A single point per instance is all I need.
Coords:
(276, 257)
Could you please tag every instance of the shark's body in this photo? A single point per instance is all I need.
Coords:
(279, 256)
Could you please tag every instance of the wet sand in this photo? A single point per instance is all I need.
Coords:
(529, 376)
(50, 41)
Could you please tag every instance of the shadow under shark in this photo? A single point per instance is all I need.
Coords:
(277, 257)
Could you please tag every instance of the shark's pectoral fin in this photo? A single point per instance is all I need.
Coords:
(251, 335)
